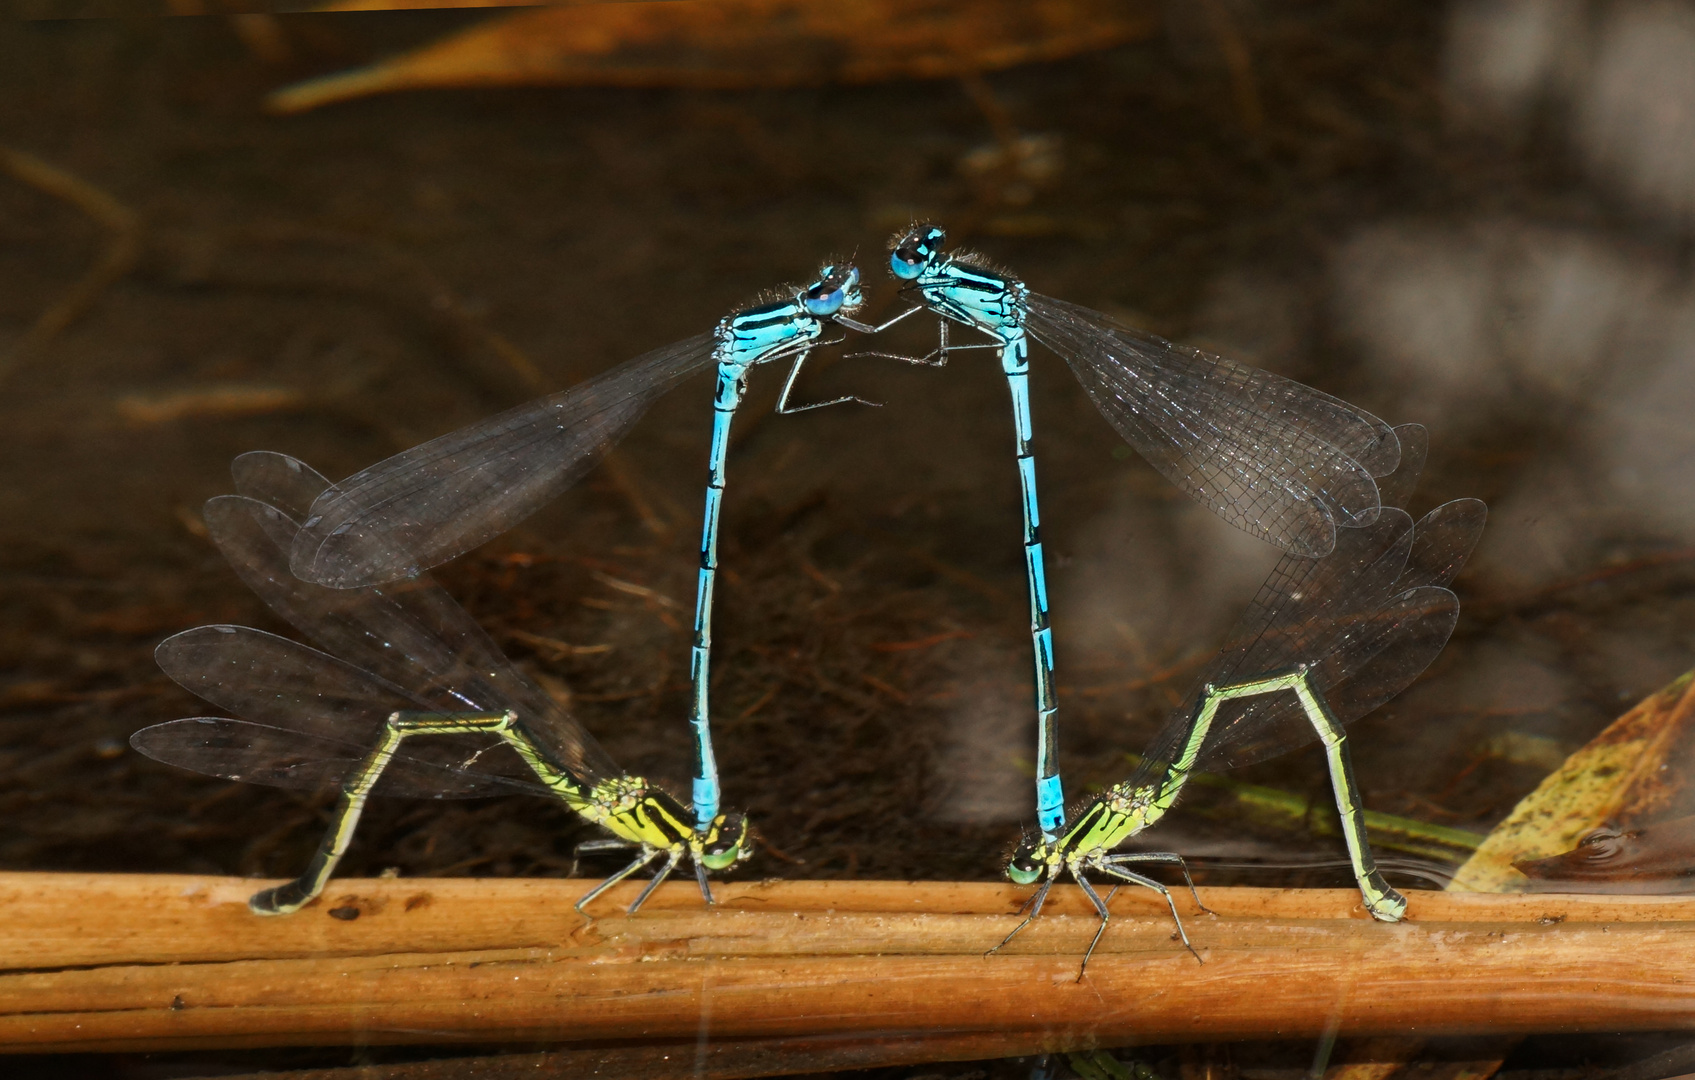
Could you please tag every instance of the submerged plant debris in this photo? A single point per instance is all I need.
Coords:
(745, 44)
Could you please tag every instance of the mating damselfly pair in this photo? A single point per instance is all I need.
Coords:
(1355, 610)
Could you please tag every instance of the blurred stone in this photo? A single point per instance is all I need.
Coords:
(1502, 56)
(1637, 113)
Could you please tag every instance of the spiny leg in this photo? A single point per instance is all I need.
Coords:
(1105, 913)
(705, 885)
(1167, 857)
(785, 409)
(589, 847)
(1137, 879)
(291, 897)
(866, 328)
(937, 357)
(675, 856)
(645, 856)
(1035, 905)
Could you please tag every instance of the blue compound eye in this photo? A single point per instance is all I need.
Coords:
(821, 303)
(906, 262)
(915, 251)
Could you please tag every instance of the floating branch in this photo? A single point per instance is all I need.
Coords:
(114, 962)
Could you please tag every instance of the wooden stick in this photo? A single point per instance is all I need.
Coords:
(112, 962)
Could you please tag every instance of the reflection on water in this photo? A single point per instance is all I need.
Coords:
(1656, 857)
(1481, 324)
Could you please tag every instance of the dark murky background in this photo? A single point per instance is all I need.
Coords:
(1475, 216)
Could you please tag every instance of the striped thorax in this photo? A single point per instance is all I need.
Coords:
(785, 326)
(960, 286)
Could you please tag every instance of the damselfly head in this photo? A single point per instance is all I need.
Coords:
(837, 289)
(726, 843)
(1027, 863)
(911, 251)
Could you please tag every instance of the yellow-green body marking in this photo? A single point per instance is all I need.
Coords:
(639, 816)
(1090, 843)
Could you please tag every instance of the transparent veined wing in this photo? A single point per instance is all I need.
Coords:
(273, 680)
(313, 718)
(251, 753)
(287, 483)
(1366, 619)
(428, 504)
(279, 757)
(1397, 488)
(1402, 639)
(1439, 550)
(411, 633)
(1271, 456)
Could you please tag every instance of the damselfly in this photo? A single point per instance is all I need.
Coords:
(407, 661)
(1323, 643)
(1276, 458)
(445, 497)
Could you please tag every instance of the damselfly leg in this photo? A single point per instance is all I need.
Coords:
(937, 357)
(1168, 858)
(1114, 866)
(1034, 908)
(785, 409)
(646, 855)
(1132, 878)
(591, 847)
(671, 860)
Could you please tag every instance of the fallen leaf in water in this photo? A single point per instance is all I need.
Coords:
(1633, 767)
(740, 44)
(1630, 774)
(208, 401)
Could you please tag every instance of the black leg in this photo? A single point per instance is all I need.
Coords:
(700, 877)
(664, 872)
(645, 856)
(589, 847)
(1167, 857)
(1035, 904)
(1137, 879)
(1105, 912)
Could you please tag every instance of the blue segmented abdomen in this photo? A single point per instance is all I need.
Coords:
(732, 385)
